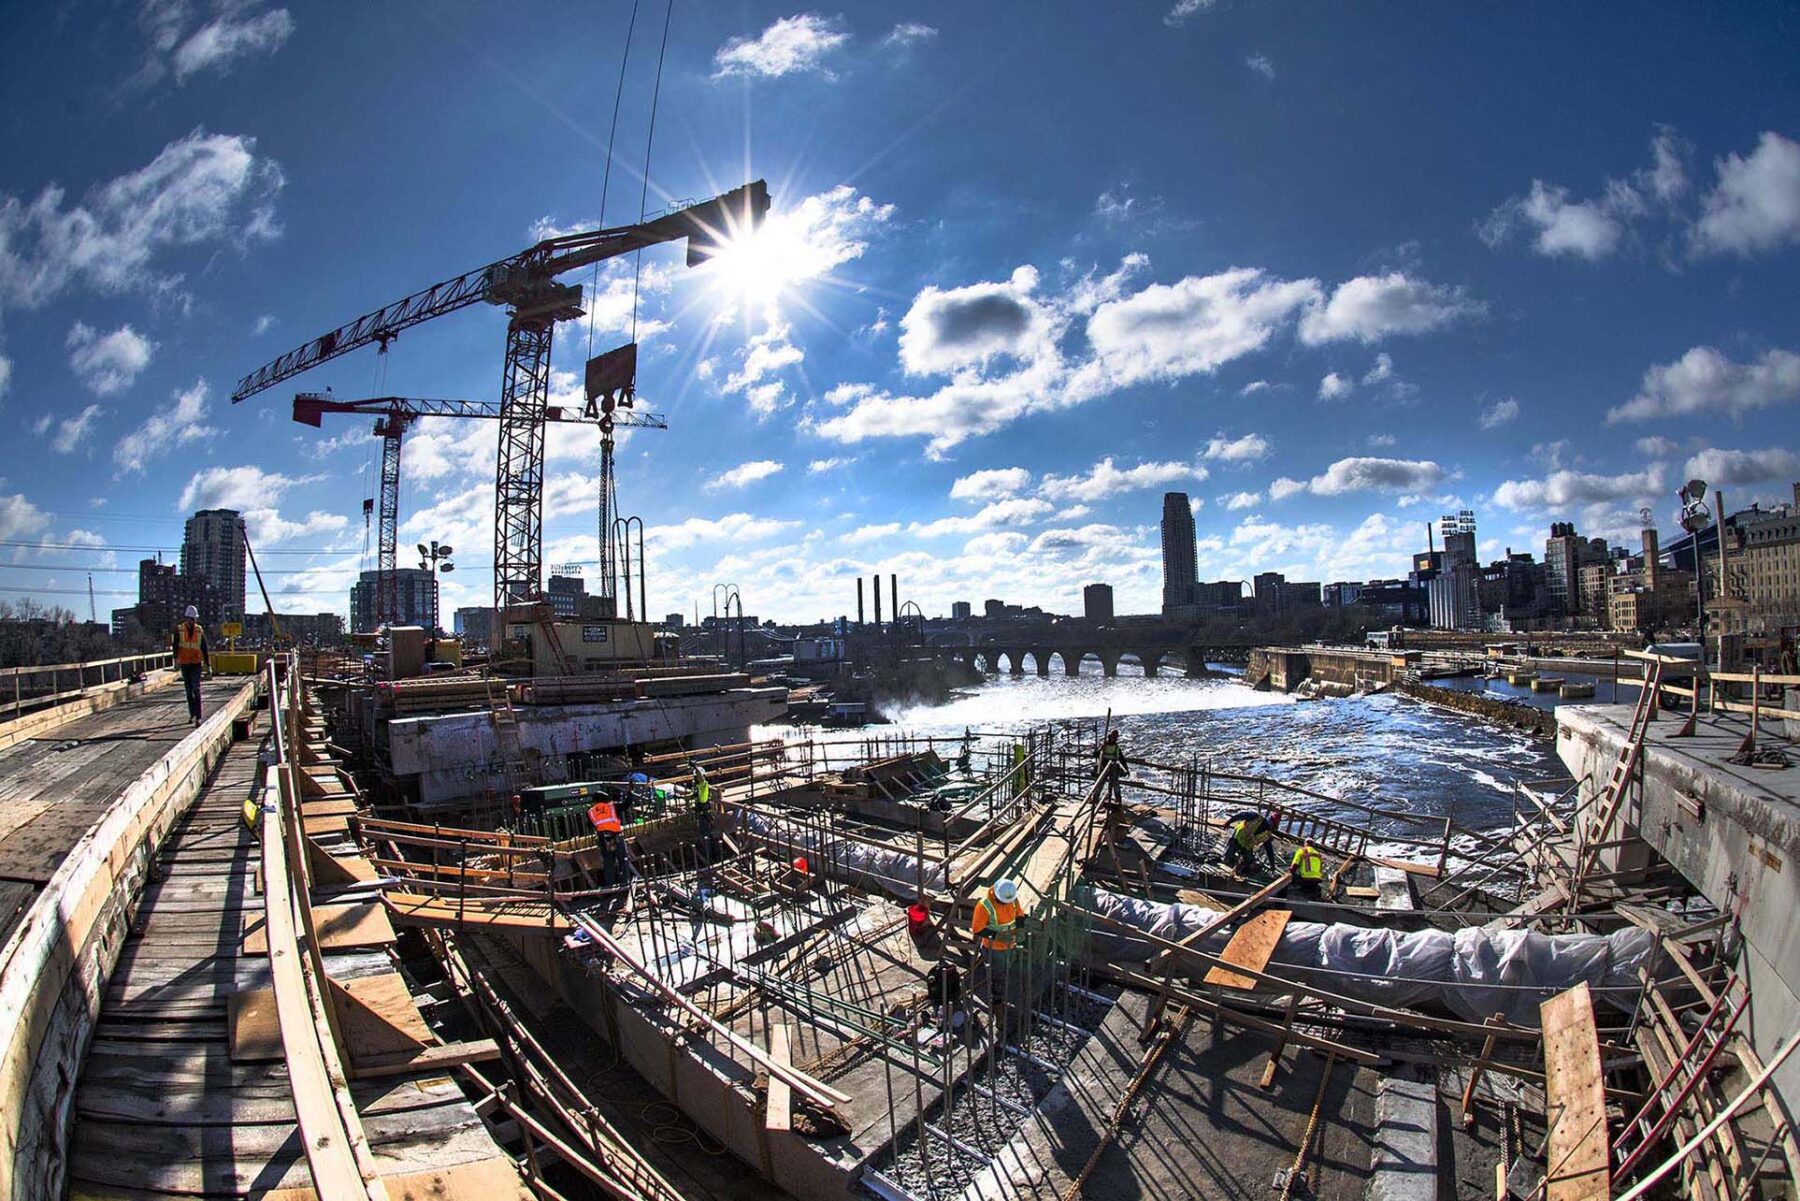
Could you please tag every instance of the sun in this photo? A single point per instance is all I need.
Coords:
(755, 269)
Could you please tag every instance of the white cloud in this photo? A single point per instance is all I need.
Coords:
(1362, 473)
(1372, 307)
(107, 363)
(1704, 380)
(1381, 369)
(991, 484)
(178, 424)
(1104, 480)
(1657, 446)
(790, 46)
(818, 466)
(744, 474)
(1498, 414)
(228, 37)
(871, 533)
(71, 432)
(199, 189)
(19, 518)
(1187, 8)
(1017, 510)
(1115, 205)
(909, 33)
(1335, 385)
(1240, 500)
(1591, 229)
(1378, 441)
(1283, 487)
(1718, 467)
(262, 325)
(767, 353)
(1560, 489)
(1755, 205)
(1246, 449)
(1253, 387)
(1194, 326)
(1260, 64)
(254, 492)
(733, 527)
(5, 374)
(965, 327)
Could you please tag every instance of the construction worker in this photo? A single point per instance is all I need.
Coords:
(1308, 867)
(192, 656)
(634, 801)
(943, 987)
(613, 865)
(996, 931)
(1249, 832)
(1112, 765)
(703, 815)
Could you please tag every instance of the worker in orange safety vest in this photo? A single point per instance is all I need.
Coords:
(996, 931)
(192, 656)
(613, 865)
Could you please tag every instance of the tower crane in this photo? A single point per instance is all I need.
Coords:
(393, 414)
(526, 285)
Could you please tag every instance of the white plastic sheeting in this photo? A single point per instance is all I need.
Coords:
(893, 872)
(1471, 972)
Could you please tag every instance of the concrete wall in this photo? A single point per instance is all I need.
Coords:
(1285, 668)
(1733, 833)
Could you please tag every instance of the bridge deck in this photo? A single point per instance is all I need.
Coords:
(53, 788)
(163, 1108)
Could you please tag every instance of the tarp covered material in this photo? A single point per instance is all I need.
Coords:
(1472, 972)
(893, 872)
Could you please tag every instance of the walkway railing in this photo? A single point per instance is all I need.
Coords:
(337, 1150)
(23, 688)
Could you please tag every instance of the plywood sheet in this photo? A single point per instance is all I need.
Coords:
(381, 1020)
(1575, 1099)
(340, 927)
(1251, 945)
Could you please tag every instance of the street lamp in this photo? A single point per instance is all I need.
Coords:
(435, 558)
(1695, 518)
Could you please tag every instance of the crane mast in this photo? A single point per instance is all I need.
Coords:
(526, 285)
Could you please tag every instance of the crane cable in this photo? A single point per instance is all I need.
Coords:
(612, 135)
(637, 269)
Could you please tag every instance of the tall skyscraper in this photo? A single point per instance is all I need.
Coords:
(1097, 602)
(1181, 569)
(212, 550)
(415, 592)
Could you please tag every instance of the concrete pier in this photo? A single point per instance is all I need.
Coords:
(1733, 832)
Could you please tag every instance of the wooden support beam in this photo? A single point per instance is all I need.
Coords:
(781, 1093)
(425, 1059)
(1481, 1063)
(1575, 1100)
(1224, 919)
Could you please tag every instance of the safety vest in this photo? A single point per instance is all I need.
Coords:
(1111, 752)
(996, 934)
(605, 818)
(1250, 835)
(1308, 864)
(702, 792)
(188, 636)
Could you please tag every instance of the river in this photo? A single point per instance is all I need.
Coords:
(1379, 750)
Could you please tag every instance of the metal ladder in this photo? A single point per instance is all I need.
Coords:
(505, 720)
(1612, 795)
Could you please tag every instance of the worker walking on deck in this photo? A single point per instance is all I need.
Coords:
(1308, 869)
(192, 656)
(1112, 765)
(705, 840)
(1250, 832)
(996, 931)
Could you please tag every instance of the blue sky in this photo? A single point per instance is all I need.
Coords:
(1330, 269)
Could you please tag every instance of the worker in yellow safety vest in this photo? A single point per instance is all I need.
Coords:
(703, 815)
(1112, 765)
(996, 931)
(192, 656)
(1250, 832)
(1308, 867)
(605, 816)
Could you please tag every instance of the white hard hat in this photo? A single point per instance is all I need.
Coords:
(192, 613)
(1005, 891)
(699, 769)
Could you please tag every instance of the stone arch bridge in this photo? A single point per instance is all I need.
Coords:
(1156, 653)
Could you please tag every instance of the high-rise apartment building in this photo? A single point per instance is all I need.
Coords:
(1180, 555)
(415, 598)
(212, 552)
(1097, 602)
(960, 610)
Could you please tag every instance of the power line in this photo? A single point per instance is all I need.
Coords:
(637, 269)
(148, 548)
(612, 135)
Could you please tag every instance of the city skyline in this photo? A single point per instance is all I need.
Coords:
(998, 311)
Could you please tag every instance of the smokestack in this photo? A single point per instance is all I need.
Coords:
(894, 584)
(877, 579)
(859, 602)
(1430, 540)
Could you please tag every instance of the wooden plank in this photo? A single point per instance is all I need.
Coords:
(505, 913)
(781, 1093)
(360, 924)
(484, 1180)
(1224, 919)
(426, 1059)
(1575, 1099)
(1251, 946)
